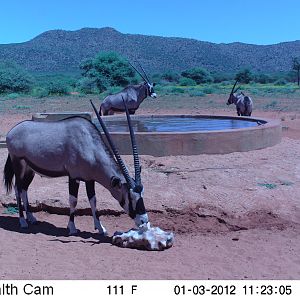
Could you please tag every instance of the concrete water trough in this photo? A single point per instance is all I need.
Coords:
(164, 135)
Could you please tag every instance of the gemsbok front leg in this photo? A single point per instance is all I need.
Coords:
(90, 191)
(73, 195)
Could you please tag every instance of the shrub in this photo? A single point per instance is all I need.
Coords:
(244, 76)
(199, 75)
(39, 92)
(184, 81)
(280, 81)
(87, 85)
(13, 79)
(262, 78)
(108, 69)
(57, 88)
(221, 77)
(173, 90)
(208, 90)
(170, 76)
(11, 96)
(196, 93)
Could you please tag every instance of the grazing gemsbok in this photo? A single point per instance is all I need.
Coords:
(244, 104)
(73, 147)
(134, 95)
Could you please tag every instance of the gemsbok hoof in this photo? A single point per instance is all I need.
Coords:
(31, 219)
(101, 229)
(72, 229)
(23, 223)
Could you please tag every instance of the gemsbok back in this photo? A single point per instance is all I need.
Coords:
(133, 95)
(244, 104)
(75, 148)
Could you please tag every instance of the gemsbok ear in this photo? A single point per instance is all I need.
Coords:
(115, 182)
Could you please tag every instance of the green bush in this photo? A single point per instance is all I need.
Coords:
(87, 85)
(208, 90)
(11, 96)
(170, 76)
(172, 90)
(262, 78)
(39, 92)
(280, 81)
(57, 88)
(199, 75)
(108, 69)
(244, 76)
(196, 93)
(184, 81)
(13, 79)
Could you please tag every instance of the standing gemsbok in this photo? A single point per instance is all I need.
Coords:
(134, 95)
(73, 147)
(244, 104)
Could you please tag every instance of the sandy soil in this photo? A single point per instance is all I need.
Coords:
(235, 216)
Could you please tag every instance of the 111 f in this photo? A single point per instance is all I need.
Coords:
(119, 289)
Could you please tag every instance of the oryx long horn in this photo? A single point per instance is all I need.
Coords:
(232, 91)
(236, 89)
(114, 149)
(137, 167)
(144, 72)
(138, 71)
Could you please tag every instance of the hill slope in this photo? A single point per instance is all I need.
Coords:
(62, 51)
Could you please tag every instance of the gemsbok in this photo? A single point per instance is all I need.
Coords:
(133, 95)
(244, 104)
(73, 147)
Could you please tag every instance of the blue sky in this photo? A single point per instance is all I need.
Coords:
(248, 21)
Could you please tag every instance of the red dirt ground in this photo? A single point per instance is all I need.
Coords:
(228, 222)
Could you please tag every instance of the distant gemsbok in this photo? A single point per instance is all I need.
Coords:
(244, 104)
(133, 95)
(73, 147)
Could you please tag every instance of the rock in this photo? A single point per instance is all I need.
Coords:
(144, 238)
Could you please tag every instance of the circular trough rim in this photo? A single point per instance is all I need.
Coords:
(268, 123)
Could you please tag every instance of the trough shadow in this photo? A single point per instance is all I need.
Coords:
(10, 223)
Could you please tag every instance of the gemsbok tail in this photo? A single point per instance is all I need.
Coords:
(8, 174)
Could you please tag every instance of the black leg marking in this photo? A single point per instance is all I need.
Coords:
(90, 188)
(73, 187)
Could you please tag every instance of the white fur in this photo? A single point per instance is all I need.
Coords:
(135, 197)
(30, 218)
(71, 225)
(97, 223)
(141, 219)
(73, 203)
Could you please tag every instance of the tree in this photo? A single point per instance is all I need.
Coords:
(296, 67)
(244, 76)
(170, 76)
(13, 79)
(107, 69)
(199, 75)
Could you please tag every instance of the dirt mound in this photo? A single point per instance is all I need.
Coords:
(192, 220)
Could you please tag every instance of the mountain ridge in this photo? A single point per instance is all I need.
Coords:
(62, 51)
